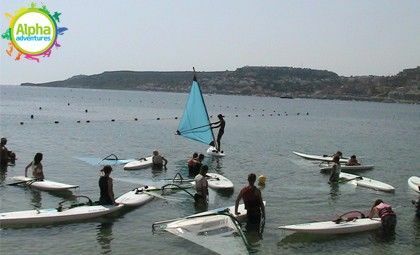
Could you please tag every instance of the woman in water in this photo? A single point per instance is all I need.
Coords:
(36, 167)
(336, 170)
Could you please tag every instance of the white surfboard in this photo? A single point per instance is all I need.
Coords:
(348, 168)
(217, 181)
(330, 227)
(44, 184)
(52, 215)
(318, 158)
(139, 164)
(213, 152)
(414, 183)
(367, 182)
(136, 197)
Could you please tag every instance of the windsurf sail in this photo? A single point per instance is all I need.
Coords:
(195, 122)
(215, 232)
(109, 160)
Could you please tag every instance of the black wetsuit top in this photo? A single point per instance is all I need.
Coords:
(222, 125)
(4, 156)
(103, 186)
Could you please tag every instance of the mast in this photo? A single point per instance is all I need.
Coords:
(205, 107)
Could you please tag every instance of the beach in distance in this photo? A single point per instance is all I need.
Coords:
(260, 135)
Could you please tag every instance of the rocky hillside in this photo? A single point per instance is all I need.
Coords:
(261, 81)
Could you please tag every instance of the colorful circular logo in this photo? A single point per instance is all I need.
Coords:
(33, 32)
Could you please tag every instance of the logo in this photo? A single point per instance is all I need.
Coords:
(33, 33)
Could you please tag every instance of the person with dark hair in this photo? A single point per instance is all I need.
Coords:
(158, 160)
(387, 215)
(197, 166)
(338, 153)
(336, 170)
(36, 166)
(106, 187)
(6, 156)
(192, 162)
(254, 204)
(221, 125)
(201, 186)
(353, 161)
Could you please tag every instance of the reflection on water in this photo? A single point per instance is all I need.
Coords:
(64, 194)
(334, 191)
(298, 238)
(254, 233)
(3, 173)
(157, 171)
(217, 164)
(36, 198)
(104, 236)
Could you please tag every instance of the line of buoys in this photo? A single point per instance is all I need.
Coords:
(175, 118)
(86, 110)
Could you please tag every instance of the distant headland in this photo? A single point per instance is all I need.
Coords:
(286, 82)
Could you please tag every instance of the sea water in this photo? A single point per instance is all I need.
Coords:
(260, 135)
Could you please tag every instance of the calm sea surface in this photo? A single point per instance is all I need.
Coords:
(385, 135)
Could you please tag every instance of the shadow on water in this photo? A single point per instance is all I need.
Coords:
(104, 236)
(225, 192)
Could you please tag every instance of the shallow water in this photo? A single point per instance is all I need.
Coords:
(385, 135)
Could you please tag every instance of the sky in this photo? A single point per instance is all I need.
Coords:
(347, 37)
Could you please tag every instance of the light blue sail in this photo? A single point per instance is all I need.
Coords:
(195, 123)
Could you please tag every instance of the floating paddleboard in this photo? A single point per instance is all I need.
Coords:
(103, 162)
(348, 168)
(330, 227)
(136, 197)
(414, 183)
(52, 215)
(217, 181)
(367, 183)
(43, 185)
(139, 164)
(318, 158)
(213, 152)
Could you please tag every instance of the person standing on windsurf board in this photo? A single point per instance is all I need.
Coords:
(221, 125)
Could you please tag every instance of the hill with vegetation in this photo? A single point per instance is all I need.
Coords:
(261, 81)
